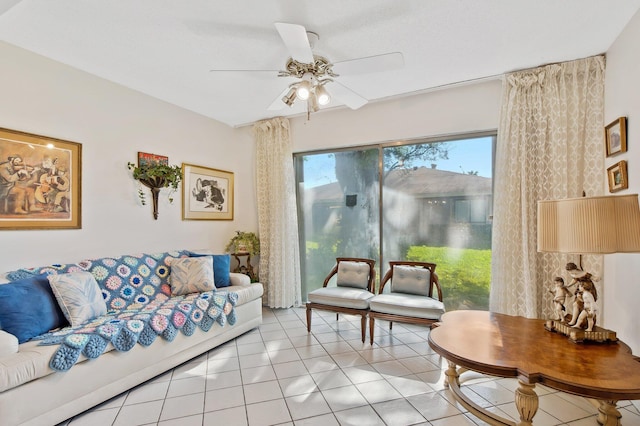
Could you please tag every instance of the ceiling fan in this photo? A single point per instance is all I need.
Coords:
(316, 75)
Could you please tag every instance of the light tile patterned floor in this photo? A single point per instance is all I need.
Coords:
(280, 374)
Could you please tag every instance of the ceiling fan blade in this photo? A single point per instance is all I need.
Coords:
(7, 4)
(369, 64)
(277, 104)
(230, 70)
(345, 95)
(295, 38)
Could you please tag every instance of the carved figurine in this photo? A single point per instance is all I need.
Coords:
(590, 309)
(560, 294)
(580, 278)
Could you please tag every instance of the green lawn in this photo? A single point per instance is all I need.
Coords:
(464, 274)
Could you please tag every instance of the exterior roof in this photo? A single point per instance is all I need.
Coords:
(422, 182)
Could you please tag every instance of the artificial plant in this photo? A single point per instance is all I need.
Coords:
(155, 177)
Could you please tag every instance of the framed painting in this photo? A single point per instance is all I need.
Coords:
(615, 136)
(40, 182)
(207, 194)
(617, 175)
(146, 159)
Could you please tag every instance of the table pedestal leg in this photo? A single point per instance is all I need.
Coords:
(452, 375)
(526, 402)
(608, 414)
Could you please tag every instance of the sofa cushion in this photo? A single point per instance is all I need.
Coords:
(192, 275)
(411, 280)
(78, 295)
(353, 274)
(8, 344)
(28, 308)
(221, 268)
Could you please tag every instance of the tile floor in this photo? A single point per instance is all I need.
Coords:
(280, 374)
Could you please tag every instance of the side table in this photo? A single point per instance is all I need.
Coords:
(247, 268)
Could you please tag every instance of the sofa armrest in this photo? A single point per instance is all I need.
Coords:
(239, 279)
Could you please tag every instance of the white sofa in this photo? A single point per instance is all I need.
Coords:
(31, 393)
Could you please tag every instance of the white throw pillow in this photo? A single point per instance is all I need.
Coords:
(353, 274)
(8, 344)
(192, 275)
(78, 295)
(411, 280)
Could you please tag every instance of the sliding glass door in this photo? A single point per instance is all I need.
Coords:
(427, 200)
(338, 214)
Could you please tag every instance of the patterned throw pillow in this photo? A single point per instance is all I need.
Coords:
(8, 344)
(221, 268)
(79, 296)
(191, 275)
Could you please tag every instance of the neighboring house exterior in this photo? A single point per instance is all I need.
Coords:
(427, 205)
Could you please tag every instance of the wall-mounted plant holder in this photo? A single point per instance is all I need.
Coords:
(156, 176)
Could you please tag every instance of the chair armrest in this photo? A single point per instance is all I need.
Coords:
(239, 279)
(436, 283)
(333, 272)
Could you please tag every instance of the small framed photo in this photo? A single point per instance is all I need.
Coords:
(615, 136)
(146, 159)
(207, 194)
(40, 182)
(618, 179)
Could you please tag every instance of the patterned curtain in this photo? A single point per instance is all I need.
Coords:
(277, 216)
(550, 145)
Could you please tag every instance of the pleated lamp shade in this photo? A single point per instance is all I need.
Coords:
(598, 225)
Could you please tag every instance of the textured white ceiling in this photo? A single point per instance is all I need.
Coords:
(166, 48)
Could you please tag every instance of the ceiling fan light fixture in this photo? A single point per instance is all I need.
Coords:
(312, 104)
(304, 90)
(290, 97)
(322, 95)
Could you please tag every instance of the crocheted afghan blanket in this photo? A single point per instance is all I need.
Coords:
(163, 317)
(137, 292)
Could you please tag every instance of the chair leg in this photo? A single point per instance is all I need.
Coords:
(390, 325)
(363, 326)
(336, 317)
(308, 319)
(371, 325)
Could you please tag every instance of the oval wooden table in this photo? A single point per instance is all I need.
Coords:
(509, 346)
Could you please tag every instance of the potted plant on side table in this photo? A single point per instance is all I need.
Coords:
(244, 244)
(155, 177)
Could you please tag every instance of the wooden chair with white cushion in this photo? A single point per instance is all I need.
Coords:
(352, 292)
(410, 295)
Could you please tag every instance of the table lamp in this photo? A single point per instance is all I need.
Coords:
(587, 225)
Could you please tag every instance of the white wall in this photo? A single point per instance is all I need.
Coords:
(113, 123)
(622, 271)
(462, 109)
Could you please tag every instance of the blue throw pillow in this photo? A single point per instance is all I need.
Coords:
(221, 268)
(28, 308)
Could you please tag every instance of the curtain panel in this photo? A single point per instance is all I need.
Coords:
(549, 146)
(277, 215)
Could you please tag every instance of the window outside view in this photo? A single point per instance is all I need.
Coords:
(423, 201)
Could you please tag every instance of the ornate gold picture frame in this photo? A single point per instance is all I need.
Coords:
(617, 176)
(207, 194)
(615, 136)
(40, 182)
